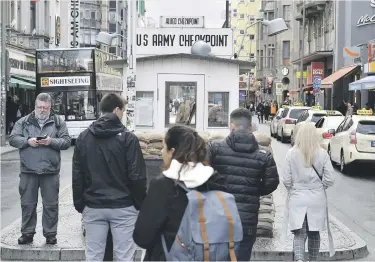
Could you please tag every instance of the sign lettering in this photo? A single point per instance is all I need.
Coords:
(74, 22)
(65, 81)
(152, 41)
(168, 21)
(367, 19)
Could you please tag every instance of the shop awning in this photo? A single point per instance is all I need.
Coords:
(18, 83)
(366, 83)
(330, 80)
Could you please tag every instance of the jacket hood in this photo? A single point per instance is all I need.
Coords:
(242, 141)
(107, 126)
(192, 176)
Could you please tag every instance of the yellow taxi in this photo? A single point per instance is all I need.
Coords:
(353, 140)
(313, 114)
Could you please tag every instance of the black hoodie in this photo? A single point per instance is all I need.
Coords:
(109, 170)
(250, 173)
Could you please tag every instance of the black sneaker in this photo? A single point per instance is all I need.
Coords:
(51, 240)
(25, 239)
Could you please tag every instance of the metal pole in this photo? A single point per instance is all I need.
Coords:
(3, 71)
(302, 51)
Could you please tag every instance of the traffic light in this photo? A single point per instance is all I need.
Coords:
(269, 85)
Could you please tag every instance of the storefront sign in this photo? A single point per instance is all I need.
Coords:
(159, 41)
(315, 71)
(21, 63)
(74, 23)
(65, 81)
(367, 19)
(182, 21)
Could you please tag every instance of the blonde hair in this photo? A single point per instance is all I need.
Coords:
(307, 142)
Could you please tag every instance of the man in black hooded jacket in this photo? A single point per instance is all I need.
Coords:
(250, 172)
(109, 181)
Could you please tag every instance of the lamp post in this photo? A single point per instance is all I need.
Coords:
(302, 50)
(3, 71)
(129, 72)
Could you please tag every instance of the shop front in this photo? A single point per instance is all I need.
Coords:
(22, 79)
(366, 84)
(186, 89)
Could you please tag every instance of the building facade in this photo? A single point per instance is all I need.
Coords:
(331, 29)
(243, 15)
(274, 66)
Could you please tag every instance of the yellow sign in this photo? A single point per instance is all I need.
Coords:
(284, 106)
(364, 112)
(371, 67)
(44, 81)
(316, 108)
(298, 74)
(331, 112)
(298, 104)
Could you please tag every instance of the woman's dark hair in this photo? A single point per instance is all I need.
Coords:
(188, 145)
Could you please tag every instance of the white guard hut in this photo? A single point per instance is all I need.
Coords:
(199, 91)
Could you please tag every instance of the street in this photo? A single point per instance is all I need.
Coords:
(351, 199)
(10, 199)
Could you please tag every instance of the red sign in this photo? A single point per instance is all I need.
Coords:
(314, 69)
(371, 52)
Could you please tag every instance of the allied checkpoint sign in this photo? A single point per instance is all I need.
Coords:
(162, 41)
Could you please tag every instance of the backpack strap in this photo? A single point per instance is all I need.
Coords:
(230, 228)
(202, 223)
(182, 185)
(57, 120)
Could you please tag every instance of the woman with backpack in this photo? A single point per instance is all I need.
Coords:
(158, 227)
(308, 173)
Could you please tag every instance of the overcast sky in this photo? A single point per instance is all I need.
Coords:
(212, 10)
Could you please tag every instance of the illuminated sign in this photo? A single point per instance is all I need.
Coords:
(65, 81)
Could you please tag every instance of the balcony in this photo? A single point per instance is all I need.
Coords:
(313, 8)
(28, 41)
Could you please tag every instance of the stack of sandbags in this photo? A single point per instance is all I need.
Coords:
(155, 143)
(266, 217)
(263, 140)
(143, 141)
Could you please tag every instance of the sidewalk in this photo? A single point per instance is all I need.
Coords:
(71, 246)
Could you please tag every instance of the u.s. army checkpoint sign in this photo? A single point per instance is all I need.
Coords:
(160, 41)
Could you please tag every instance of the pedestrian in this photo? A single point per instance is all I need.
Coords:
(308, 173)
(250, 172)
(109, 181)
(267, 111)
(260, 110)
(40, 136)
(162, 212)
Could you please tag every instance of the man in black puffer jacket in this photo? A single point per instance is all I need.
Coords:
(251, 172)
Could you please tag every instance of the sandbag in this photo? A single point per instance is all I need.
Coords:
(143, 144)
(153, 151)
(265, 225)
(266, 201)
(156, 145)
(264, 233)
(266, 217)
(265, 209)
(142, 136)
(263, 139)
(155, 137)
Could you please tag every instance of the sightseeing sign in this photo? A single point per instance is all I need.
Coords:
(161, 41)
(65, 81)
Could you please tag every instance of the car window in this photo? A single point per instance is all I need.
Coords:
(296, 113)
(339, 128)
(301, 118)
(285, 113)
(347, 125)
(319, 123)
(316, 117)
(366, 127)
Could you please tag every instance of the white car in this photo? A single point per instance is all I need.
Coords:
(353, 141)
(324, 127)
(275, 120)
(311, 115)
(287, 122)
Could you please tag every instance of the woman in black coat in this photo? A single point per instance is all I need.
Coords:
(162, 210)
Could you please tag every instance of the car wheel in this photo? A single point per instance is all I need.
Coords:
(343, 167)
(291, 139)
(277, 136)
(283, 140)
(271, 132)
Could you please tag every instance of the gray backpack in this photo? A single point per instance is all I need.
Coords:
(210, 230)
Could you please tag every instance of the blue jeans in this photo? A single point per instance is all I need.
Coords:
(246, 247)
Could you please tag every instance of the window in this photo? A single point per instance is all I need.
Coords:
(180, 103)
(112, 50)
(234, 10)
(251, 17)
(32, 16)
(47, 19)
(252, 55)
(58, 103)
(81, 105)
(112, 4)
(296, 113)
(287, 13)
(242, 16)
(112, 28)
(317, 117)
(218, 109)
(286, 52)
(252, 1)
(235, 41)
(145, 108)
(252, 37)
(242, 32)
(366, 127)
(241, 78)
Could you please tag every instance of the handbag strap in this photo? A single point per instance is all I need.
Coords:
(316, 171)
